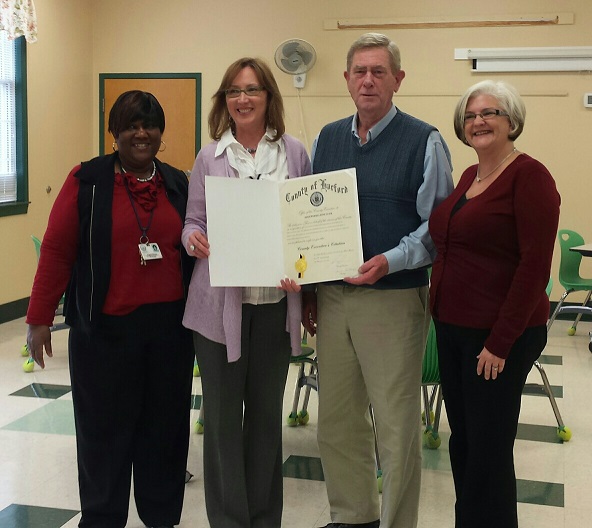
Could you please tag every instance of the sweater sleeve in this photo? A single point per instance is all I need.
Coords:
(536, 210)
(58, 254)
(195, 216)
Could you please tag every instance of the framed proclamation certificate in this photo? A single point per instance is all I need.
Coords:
(306, 229)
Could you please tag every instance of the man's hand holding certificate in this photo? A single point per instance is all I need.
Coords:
(306, 229)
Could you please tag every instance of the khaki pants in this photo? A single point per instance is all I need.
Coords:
(370, 349)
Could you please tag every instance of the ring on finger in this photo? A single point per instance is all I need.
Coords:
(192, 247)
(494, 368)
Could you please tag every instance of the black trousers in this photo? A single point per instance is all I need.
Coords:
(131, 389)
(483, 417)
(243, 421)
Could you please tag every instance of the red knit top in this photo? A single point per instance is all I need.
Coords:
(494, 254)
(131, 284)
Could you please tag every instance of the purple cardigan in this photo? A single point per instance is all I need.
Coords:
(216, 313)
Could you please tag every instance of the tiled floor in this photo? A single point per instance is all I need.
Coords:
(38, 487)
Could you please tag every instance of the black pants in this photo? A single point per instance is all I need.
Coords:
(131, 389)
(243, 421)
(483, 417)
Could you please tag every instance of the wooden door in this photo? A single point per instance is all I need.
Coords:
(180, 98)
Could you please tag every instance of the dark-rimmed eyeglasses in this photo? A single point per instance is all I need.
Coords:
(251, 91)
(488, 113)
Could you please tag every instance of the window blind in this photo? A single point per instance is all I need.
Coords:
(8, 176)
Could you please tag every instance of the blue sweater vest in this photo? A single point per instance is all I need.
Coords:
(389, 173)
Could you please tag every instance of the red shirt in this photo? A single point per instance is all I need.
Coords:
(131, 284)
(494, 254)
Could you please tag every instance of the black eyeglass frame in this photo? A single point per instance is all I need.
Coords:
(488, 113)
(234, 93)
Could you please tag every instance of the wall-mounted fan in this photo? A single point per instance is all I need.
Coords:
(296, 57)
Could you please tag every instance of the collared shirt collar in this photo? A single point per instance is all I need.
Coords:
(377, 128)
(228, 139)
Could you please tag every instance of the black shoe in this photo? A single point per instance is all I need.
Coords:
(373, 524)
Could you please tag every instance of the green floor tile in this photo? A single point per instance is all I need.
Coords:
(541, 493)
(22, 516)
(547, 359)
(533, 389)
(436, 459)
(196, 401)
(530, 492)
(43, 390)
(538, 433)
(57, 417)
(302, 467)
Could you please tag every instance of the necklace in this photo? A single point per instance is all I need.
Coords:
(143, 180)
(248, 149)
(479, 180)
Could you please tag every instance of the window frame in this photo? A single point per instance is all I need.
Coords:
(21, 205)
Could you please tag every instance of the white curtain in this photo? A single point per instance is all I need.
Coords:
(18, 18)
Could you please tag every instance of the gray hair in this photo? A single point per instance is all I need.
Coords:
(376, 40)
(509, 101)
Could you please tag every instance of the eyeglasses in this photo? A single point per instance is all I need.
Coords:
(251, 91)
(486, 115)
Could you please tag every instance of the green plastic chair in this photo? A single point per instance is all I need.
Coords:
(432, 401)
(569, 274)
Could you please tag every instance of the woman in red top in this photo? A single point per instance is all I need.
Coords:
(113, 243)
(494, 236)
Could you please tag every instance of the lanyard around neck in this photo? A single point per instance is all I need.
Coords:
(144, 236)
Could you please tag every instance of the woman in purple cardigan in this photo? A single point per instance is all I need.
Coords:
(243, 336)
(494, 236)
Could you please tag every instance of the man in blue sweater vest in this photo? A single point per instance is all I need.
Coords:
(371, 329)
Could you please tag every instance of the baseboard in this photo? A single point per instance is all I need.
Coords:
(13, 310)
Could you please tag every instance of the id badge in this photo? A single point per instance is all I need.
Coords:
(150, 251)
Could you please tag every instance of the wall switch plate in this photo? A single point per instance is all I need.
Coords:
(588, 100)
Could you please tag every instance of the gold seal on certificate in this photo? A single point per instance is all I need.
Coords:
(300, 266)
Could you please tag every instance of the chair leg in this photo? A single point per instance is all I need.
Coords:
(438, 408)
(549, 393)
(431, 438)
(563, 432)
(199, 424)
(292, 419)
(572, 330)
(557, 308)
(378, 468)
